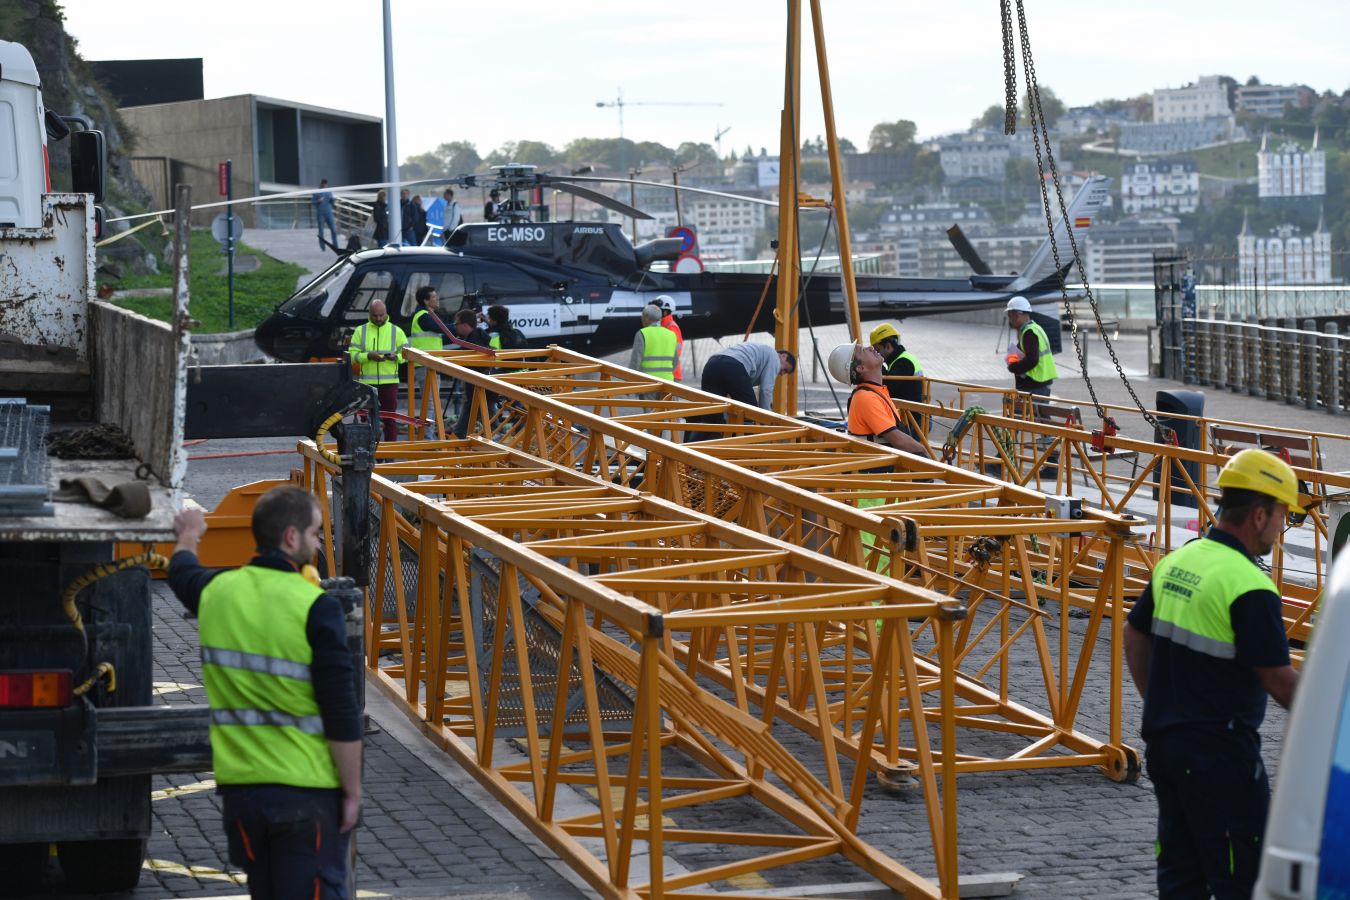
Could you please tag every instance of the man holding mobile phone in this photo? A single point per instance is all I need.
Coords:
(377, 348)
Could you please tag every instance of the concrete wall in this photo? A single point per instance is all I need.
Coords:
(201, 134)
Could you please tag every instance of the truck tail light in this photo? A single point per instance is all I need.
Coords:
(47, 166)
(26, 690)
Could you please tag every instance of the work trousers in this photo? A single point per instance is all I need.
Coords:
(724, 377)
(286, 840)
(388, 403)
(1213, 795)
(329, 220)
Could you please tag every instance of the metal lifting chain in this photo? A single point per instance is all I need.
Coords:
(1039, 129)
(1009, 70)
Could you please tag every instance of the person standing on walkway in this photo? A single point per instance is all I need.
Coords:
(285, 719)
(323, 212)
(379, 215)
(653, 346)
(871, 414)
(405, 212)
(667, 306)
(377, 348)
(1205, 645)
(419, 220)
(451, 216)
(492, 209)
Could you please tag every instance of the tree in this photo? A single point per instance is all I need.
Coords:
(453, 158)
(815, 171)
(1051, 106)
(690, 152)
(892, 136)
(847, 146)
(1253, 81)
(990, 118)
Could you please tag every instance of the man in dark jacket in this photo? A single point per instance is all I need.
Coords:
(285, 719)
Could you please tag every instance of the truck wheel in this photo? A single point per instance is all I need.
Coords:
(97, 867)
(23, 866)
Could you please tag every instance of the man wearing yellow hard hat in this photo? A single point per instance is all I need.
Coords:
(897, 361)
(1205, 644)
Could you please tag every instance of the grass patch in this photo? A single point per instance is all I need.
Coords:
(1228, 161)
(255, 293)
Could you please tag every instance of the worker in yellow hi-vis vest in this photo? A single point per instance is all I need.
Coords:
(377, 347)
(1206, 645)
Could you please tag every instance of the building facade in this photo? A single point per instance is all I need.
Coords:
(1163, 138)
(1171, 185)
(274, 145)
(1123, 253)
(1291, 171)
(1271, 100)
(1204, 99)
(1285, 256)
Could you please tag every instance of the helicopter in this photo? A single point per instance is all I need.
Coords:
(582, 285)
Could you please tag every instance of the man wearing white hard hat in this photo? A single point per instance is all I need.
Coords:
(871, 414)
(1030, 361)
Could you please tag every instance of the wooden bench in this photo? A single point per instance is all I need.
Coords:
(1227, 440)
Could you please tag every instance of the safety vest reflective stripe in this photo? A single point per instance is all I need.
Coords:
(658, 352)
(255, 662)
(1044, 369)
(267, 718)
(1198, 642)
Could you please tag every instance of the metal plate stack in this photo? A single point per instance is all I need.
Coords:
(24, 468)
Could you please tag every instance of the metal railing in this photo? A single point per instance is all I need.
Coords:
(642, 654)
(1300, 366)
(964, 535)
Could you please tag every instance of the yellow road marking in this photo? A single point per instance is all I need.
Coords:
(169, 687)
(616, 800)
(179, 791)
(169, 867)
(749, 881)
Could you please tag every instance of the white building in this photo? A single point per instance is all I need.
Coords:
(1207, 97)
(1162, 138)
(1285, 256)
(1172, 185)
(919, 218)
(1270, 100)
(1290, 171)
(1123, 253)
(984, 152)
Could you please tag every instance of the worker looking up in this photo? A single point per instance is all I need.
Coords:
(653, 346)
(285, 720)
(735, 372)
(1205, 644)
(897, 361)
(871, 414)
(1032, 365)
(667, 307)
(377, 347)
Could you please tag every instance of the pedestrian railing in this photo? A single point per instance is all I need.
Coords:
(1020, 565)
(1296, 365)
(1171, 488)
(641, 655)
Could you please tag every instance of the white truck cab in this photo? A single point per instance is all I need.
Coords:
(1307, 843)
(24, 172)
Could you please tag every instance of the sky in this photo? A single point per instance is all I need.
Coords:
(488, 73)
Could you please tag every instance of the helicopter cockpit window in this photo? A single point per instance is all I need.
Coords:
(505, 281)
(449, 285)
(376, 284)
(325, 289)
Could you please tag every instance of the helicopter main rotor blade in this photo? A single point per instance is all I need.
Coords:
(676, 187)
(596, 197)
